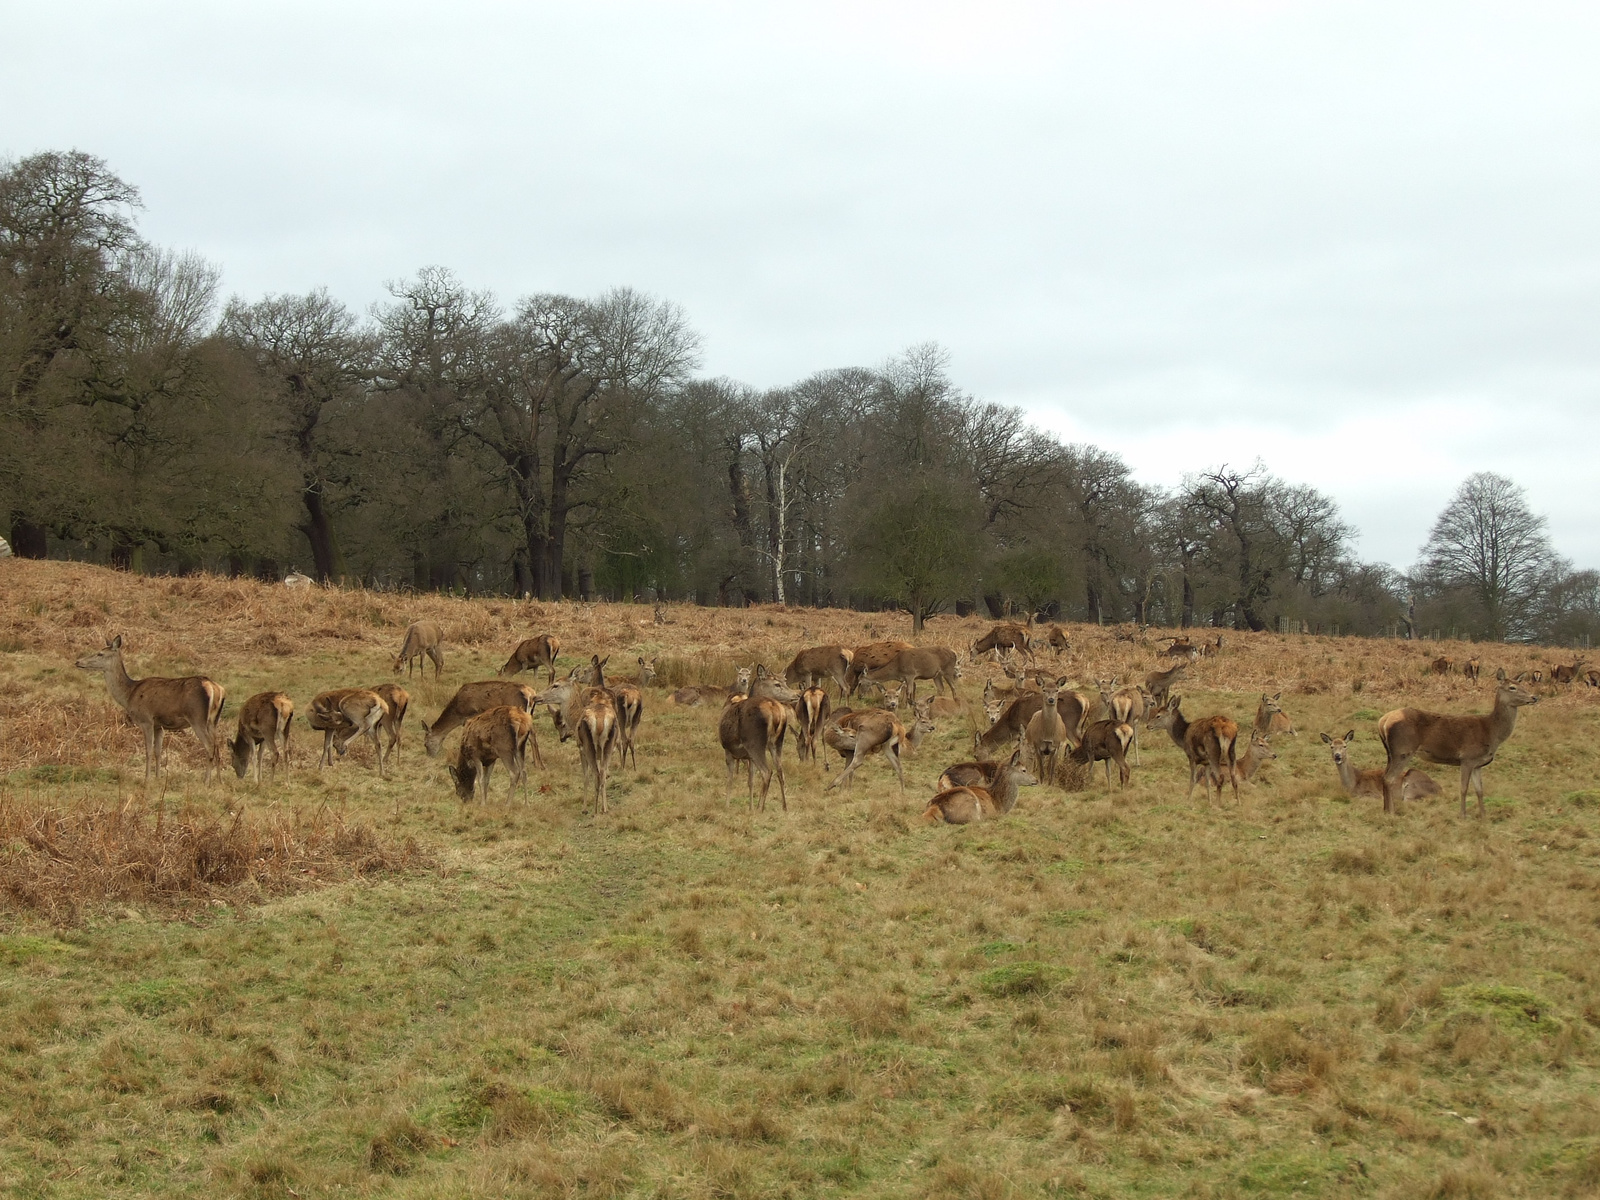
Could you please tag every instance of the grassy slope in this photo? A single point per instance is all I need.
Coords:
(1125, 996)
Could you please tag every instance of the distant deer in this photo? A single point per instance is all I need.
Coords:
(500, 734)
(1107, 742)
(397, 700)
(810, 711)
(1182, 648)
(935, 663)
(296, 580)
(535, 652)
(422, 638)
(1256, 756)
(1414, 784)
(1125, 706)
(1442, 666)
(810, 667)
(1471, 741)
(1592, 678)
(1271, 719)
(695, 695)
(1056, 639)
(345, 714)
(865, 658)
(752, 731)
(1005, 638)
(964, 805)
(1471, 668)
(1567, 675)
(263, 723)
(1046, 735)
(160, 706)
(1159, 683)
(473, 698)
(1208, 744)
(591, 714)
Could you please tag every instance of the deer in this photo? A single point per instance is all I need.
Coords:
(591, 715)
(1271, 719)
(535, 652)
(294, 580)
(344, 714)
(397, 700)
(968, 774)
(752, 730)
(695, 695)
(1207, 743)
(1471, 741)
(473, 698)
(1256, 756)
(810, 667)
(422, 638)
(161, 706)
(1567, 675)
(859, 735)
(1006, 637)
(1182, 648)
(1126, 706)
(1159, 683)
(1047, 734)
(1106, 741)
(499, 734)
(1471, 668)
(1056, 639)
(1442, 665)
(935, 663)
(629, 701)
(865, 658)
(966, 804)
(263, 722)
(1592, 678)
(1414, 784)
(811, 711)
(1009, 726)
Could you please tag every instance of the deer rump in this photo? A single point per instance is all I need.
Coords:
(752, 732)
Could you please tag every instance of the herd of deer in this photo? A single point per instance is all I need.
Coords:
(1040, 719)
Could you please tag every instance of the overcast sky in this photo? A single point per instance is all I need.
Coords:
(1359, 241)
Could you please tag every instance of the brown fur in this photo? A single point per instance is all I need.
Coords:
(964, 805)
(263, 722)
(541, 650)
(473, 698)
(344, 714)
(158, 706)
(1368, 781)
(499, 734)
(422, 638)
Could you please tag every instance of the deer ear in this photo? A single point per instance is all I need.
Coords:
(116, 642)
(1327, 739)
(1351, 736)
(1277, 696)
(1521, 675)
(1501, 674)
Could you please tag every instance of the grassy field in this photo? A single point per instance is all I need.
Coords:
(338, 985)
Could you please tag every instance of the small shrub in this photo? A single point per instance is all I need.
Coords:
(1018, 979)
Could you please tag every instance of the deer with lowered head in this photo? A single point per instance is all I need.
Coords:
(810, 667)
(865, 658)
(397, 700)
(499, 734)
(1470, 741)
(473, 698)
(1414, 784)
(422, 638)
(857, 735)
(933, 662)
(161, 706)
(1006, 637)
(535, 652)
(752, 730)
(263, 724)
(344, 714)
(1208, 744)
(965, 804)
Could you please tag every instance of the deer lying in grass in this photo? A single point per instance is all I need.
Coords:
(534, 652)
(159, 706)
(1128, 706)
(473, 698)
(1567, 675)
(500, 734)
(1107, 742)
(1159, 683)
(397, 700)
(422, 638)
(810, 667)
(811, 712)
(964, 805)
(1471, 741)
(967, 774)
(934, 662)
(1182, 648)
(1415, 784)
(1208, 744)
(752, 730)
(263, 723)
(1256, 756)
(697, 694)
(1271, 719)
(344, 714)
(865, 658)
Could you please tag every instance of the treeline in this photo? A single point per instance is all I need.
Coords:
(564, 446)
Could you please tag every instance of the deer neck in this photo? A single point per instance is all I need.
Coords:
(1004, 792)
(1347, 774)
(1177, 728)
(118, 682)
(1502, 720)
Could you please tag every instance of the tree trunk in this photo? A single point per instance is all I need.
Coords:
(27, 539)
(318, 528)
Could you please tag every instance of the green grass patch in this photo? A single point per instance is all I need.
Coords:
(1020, 979)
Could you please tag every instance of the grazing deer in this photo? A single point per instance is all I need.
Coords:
(1471, 669)
(1046, 734)
(499, 734)
(1414, 784)
(263, 722)
(1441, 666)
(160, 706)
(1567, 675)
(810, 667)
(1207, 743)
(810, 711)
(1471, 741)
(1159, 683)
(1271, 719)
(422, 638)
(752, 730)
(535, 652)
(473, 698)
(935, 663)
(964, 805)
(345, 714)
(1126, 706)
(1007, 637)
(865, 658)
(1256, 756)
(1107, 742)
(397, 700)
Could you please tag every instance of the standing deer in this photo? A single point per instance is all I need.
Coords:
(1471, 741)
(160, 706)
(1009, 726)
(396, 699)
(1207, 743)
(1126, 706)
(263, 722)
(1006, 637)
(935, 663)
(1046, 735)
(859, 735)
(348, 713)
(1471, 669)
(1107, 742)
(591, 714)
(1159, 683)
(422, 638)
(1414, 784)
(500, 734)
(535, 652)
(1442, 665)
(473, 698)
(865, 658)
(752, 730)
(811, 711)
(810, 667)
(964, 805)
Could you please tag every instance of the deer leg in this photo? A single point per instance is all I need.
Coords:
(160, 736)
(893, 751)
(533, 740)
(783, 793)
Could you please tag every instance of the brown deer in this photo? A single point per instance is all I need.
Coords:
(344, 714)
(1159, 683)
(161, 706)
(1471, 741)
(473, 698)
(1207, 743)
(1414, 784)
(752, 730)
(1008, 727)
(591, 715)
(1256, 756)
(1442, 665)
(535, 652)
(964, 805)
(865, 658)
(1125, 706)
(1107, 742)
(397, 700)
(934, 662)
(1270, 717)
(1056, 639)
(500, 734)
(263, 722)
(1046, 735)
(1007, 637)
(810, 711)
(1567, 675)
(696, 695)
(810, 667)
(1182, 648)
(1471, 668)
(968, 774)
(1592, 678)
(422, 638)
(856, 736)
